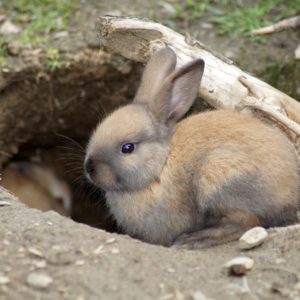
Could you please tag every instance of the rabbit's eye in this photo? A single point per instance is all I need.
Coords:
(127, 148)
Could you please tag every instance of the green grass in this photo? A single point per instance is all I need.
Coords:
(236, 17)
(40, 17)
(3, 53)
(54, 59)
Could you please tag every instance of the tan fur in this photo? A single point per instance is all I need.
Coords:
(34, 190)
(199, 183)
(242, 218)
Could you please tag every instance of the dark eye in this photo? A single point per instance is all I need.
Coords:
(127, 148)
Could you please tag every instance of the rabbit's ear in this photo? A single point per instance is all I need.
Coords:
(184, 85)
(160, 65)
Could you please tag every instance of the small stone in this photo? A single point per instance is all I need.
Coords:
(239, 265)
(6, 242)
(297, 52)
(253, 238)
(4, 280)
(35, 252)
(79, 262)
(39, 264)
(171, 270)
(61, 34)
(280, 261)
(38, 280)
(56, 247)
(199, 296)
(115, 251)
(110, 241)
(206, 25)
(8, 28)
(98, 250)
(2, 202)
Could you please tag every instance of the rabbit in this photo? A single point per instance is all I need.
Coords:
(37, 186)
(196, 183)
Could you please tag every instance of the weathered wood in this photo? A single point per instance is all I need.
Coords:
(280, 26)
(221, 86)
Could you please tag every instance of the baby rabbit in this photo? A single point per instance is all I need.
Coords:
(37, 186)
(196, 183)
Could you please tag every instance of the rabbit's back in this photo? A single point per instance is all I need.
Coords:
(238, 164)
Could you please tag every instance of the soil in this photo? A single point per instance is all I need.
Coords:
(87, 263)
(46, 113)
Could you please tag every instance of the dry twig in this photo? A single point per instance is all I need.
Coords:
(280, 26)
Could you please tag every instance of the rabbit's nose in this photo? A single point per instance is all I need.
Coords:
(89, 166)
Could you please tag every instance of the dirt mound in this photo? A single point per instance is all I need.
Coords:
(86, 263)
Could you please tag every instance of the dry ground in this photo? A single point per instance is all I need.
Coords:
(87, 263)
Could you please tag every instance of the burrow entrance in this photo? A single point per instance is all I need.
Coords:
(47, 116)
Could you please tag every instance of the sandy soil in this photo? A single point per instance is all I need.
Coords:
(87, 263)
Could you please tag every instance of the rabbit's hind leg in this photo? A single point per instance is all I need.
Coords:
(230, 228)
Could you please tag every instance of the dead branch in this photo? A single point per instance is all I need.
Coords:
(280, 26)
(221, 86)
(272, 109)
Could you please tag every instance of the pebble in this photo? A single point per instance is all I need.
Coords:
(199, 296)
(98, 250)
(5, 203)
(280, 260)
(4, 280)
(239, 265)
(206, 25)
(38, 280)
(110, 241)
(115, 251)
(35, 252)
(39, 264)
(171, 270)
(253, 238)
(8, 28)
(6, 242)
(61, 34)
(79, 262)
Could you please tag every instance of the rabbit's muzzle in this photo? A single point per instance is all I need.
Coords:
(100, 174)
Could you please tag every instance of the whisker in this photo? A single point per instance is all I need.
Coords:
(99, 114)
(71, 140)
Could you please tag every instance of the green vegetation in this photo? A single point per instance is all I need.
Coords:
(54, 60)
(3, 53)
(236, 17)
(40, 17)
